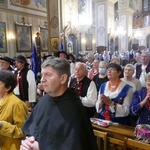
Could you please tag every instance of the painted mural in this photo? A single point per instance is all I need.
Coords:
(31, 4)
(82, 9)
(4, 2)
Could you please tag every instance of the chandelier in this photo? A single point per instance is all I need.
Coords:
(139, 34)
(83, 28)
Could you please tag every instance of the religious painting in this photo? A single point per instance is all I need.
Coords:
(3, 2)
(85, 12)
(44, 38)
(3, 41)
(31, 4)
(88, 42)
(81, 6)
(82, 10)
(23, 38)
(54, 44)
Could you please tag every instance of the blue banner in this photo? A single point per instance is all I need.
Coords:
(34, 63)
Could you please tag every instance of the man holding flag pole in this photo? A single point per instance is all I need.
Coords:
(35, 66)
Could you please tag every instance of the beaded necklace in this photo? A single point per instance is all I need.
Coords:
(113, 88)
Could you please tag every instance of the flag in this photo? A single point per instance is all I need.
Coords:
(34, 62)
(61, 45)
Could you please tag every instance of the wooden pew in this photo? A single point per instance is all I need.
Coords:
(116, 131)
(119, 137)
(128, 142)
(114, 144)
(101, 135)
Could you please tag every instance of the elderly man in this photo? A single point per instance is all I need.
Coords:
(143, 68)
(84, 87)
(129, 79)
(5, 63)
(62, 54)
(58, 121)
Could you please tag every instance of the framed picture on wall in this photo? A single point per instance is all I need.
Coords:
(88, 42)
(54, 44)
(23, 38)
(44, 38)
(3, 2)
(3, 41)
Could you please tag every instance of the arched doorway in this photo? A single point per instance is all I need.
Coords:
(72, 44)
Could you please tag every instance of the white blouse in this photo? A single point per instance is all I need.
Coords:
(122, 110)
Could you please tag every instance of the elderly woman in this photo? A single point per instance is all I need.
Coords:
(114, 97)
(115, 60)
(128, 78)
(13, 113)
(94, 70)
(101, 77)
(141, 103)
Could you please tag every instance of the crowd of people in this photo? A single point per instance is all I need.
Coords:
(72, 90)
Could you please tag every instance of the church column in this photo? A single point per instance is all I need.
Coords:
(105, 23)
(54, 23)
(125, 21)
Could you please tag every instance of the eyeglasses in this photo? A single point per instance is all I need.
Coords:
(111, 69)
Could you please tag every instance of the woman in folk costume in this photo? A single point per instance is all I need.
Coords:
(141, 103)
(13, 113)
(115, 97)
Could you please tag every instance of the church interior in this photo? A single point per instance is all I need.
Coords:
(86, 28)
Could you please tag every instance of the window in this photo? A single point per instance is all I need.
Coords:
(146, 7)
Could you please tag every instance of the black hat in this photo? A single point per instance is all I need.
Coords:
(22, 59)
(64, 52)
(8, 59)
(70, 54)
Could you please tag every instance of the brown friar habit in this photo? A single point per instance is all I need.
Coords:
(61, 123)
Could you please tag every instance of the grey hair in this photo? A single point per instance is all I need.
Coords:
(82, 64)
(131, 66)
(115, 58)
(103, 63)
(146, 52)
(62, 66)
(147, 77)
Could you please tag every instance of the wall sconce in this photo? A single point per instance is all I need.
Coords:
(83, 41)
(93, 41)
(11, 36)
